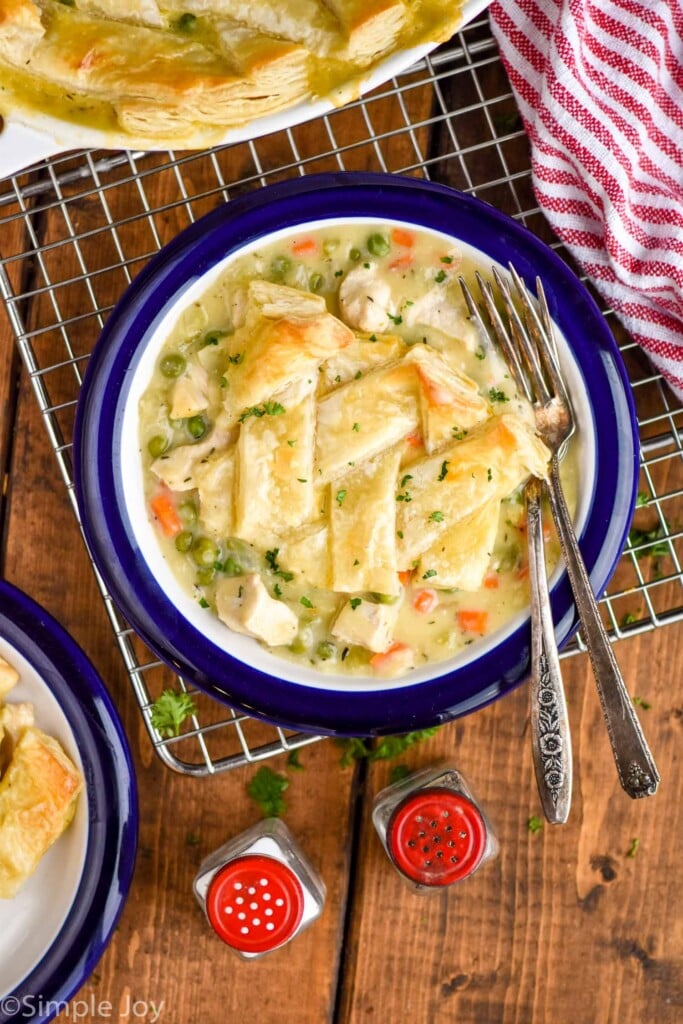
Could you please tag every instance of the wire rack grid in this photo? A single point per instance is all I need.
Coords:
(77, 228)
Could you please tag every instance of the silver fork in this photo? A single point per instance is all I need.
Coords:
(532, 356)
(550, 733)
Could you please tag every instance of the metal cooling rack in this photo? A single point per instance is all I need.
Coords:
(85, 223)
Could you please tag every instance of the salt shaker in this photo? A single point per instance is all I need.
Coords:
(433, 829)
(258, 890)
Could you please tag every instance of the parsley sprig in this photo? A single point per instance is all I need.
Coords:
(170, 710)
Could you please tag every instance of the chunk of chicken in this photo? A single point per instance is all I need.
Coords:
(8, 677)
(244, 604)
(435, 309)
(177, 468)
(365, 300)
(190, 393)
(366, 624)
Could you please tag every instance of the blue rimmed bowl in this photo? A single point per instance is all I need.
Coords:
(53, 932)
(109, 476)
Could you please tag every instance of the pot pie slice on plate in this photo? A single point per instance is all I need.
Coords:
(187, 72)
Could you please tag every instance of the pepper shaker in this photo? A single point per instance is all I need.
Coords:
(258, 890)
(433, 829)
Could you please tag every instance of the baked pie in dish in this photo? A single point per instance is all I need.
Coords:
(185, 72)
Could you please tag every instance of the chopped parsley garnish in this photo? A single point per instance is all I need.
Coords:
(170, 710)
(641, 703)
(273, 565)
(458, 434)
(291, 443)
(339, 497)
(441, 276)
(185, 23)
(446, 259)
(428, 575)
(396, 319)
(405, 479)
(444, 470)
(356, 427)
(406, 496)
(498, 396)
(480, 353)
(436, 517)
(399, 533)
(373, 337)
(267, 409)
(305, 601)
(534, 824)
(633, 848)
(302, 479)
(386, 749)
(203, 603)
(358, 375)
(266, 789)
(355, 601)
(277, 590)
(652, 541)
(236, 360)
(489, 475)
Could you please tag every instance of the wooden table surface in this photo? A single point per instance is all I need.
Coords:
(566, 925)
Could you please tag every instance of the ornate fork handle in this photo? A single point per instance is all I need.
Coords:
(550, 737)
(636, 767)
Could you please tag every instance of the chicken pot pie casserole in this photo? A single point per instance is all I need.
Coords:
(334, 462)
(184, 72)
(39, 788)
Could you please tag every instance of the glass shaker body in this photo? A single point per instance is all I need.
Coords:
(433, 829)
(258, 890)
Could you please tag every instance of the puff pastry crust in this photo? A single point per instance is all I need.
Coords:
(184, 71)
(38, 794)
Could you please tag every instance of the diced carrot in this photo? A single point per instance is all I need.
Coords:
(405, 576)
(402, 261)
(164, 512)
(472, 621)
(401, 236)
(304, 247)
(415, 439)
(491, 581)
(425, 601)
(384, 659)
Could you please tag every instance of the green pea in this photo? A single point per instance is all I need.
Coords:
(279, 267)
(241, 553)
(232, 567)
(204, 551)
(378, 244)
(205, 575)
(157, 445)
(187, 511)
(326, 650)
(196, 427)
(330, 245)
(211, 338)
(315, 282)
(186, 23)
(172, 365)
(354, 255)
(183, 541)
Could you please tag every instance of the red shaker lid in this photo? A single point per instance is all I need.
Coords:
(255, 903)
(436, 837)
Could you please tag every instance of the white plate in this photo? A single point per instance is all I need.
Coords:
(30, 136)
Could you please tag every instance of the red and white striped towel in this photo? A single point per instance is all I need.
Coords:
(600, 88)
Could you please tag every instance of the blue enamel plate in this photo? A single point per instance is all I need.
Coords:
(53, 932)
(109, 477)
